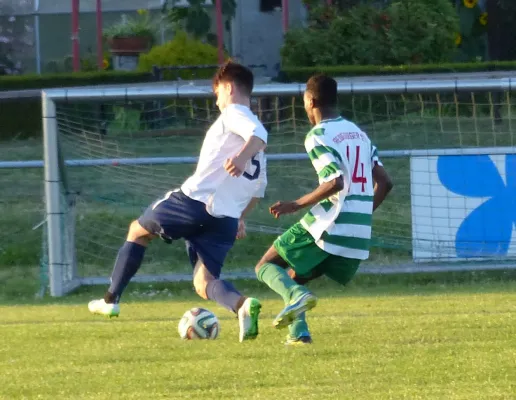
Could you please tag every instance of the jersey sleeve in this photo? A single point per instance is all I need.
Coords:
(244, 125)
(326, 160)
(375, 159)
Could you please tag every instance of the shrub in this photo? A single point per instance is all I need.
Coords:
(182, 50)
(404, 31)
(472, 38)
(422, 31)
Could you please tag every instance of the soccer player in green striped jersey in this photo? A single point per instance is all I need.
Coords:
(334, 236)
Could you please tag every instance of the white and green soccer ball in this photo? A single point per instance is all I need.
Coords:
(198, 323)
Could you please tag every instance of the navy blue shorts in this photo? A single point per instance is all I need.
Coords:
(177, 216)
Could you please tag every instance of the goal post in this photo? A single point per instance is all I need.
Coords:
(122, 147)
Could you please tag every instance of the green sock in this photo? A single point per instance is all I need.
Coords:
(278, 280)
(299, 327)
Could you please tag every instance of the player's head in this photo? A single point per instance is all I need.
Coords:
(233, 84)
(320, 97)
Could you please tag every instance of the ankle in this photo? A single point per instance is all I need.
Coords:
(110, 298)
(240, 303)
(297, 291)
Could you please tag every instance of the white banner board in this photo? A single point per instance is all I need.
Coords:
(463, 207)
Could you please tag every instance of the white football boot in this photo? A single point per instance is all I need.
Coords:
(248, 319)
(102, 308)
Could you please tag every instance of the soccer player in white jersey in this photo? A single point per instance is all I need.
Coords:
(334, 236)
(208, 210)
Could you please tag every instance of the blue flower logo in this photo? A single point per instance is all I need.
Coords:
(487, 230)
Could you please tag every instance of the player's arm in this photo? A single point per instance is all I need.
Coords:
(329, 167)
(241, 222)
(324, 191)
(382, 181)
(255, 137)
(259, 194)
(236, 165)
(382, 185)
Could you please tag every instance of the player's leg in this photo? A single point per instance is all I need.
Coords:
(298, 332)
(207, 252)
(127, 263)
(340, 269)
(295, 248)
(169, 217)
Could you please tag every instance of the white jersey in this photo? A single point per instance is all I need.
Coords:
(224, 195)
(341, 225)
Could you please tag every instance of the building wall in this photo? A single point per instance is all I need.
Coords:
(254, 38)
(257, 36)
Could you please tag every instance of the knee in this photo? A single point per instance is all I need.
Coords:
(138, 234)
(298, 279)
(264, 260)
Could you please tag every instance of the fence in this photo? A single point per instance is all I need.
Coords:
(43, 29)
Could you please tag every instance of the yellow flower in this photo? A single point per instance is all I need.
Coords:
(105, 64)
(141, 11)
(470, 3)
(483, 19)
(458, 39)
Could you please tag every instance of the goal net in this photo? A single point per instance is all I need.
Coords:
(451, 155)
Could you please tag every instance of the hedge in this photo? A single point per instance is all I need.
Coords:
(34, 81)
(22, 118)
(301, 74)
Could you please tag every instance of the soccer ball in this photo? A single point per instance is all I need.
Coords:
(198, 323)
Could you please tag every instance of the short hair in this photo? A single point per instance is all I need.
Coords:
(233, 72)
(323, 90)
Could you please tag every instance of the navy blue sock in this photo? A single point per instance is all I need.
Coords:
(225, 294)
(128, 261)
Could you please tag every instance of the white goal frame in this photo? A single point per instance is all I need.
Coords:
(62, 272)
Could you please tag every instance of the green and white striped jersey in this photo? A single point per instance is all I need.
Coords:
(341, 225)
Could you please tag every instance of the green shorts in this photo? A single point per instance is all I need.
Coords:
(297, 247)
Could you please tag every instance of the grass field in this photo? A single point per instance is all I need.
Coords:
(445, 336)
(425, 339)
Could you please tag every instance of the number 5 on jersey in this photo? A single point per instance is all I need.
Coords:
(256, 173)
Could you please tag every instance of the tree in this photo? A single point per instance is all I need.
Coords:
(501, 31)
(195, 19)
(15, 38)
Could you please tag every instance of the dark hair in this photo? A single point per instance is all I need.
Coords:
(232, 72)
(323, 90)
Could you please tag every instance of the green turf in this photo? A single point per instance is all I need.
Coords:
(434, 341)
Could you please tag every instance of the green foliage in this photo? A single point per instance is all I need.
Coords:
(421, 31)
(195, 19)
(34, 81)
(402, 32)
(140, 25)
(301, 74)
(182, 50)
(472, 40)
(88, 63)
(16, 39)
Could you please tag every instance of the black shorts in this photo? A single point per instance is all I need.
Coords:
(208, 238)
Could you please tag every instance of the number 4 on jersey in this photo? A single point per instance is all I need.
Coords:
(355, 178)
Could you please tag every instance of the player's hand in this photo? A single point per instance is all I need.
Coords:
(241, 229)
(234, 166)
(283, 207)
